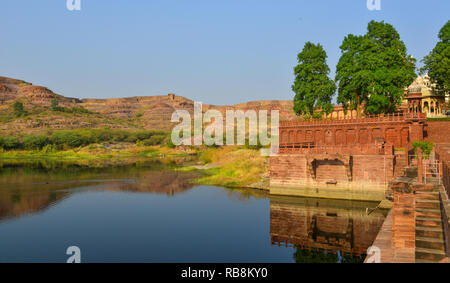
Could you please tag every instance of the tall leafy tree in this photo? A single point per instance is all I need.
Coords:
(437, 63)
(312, 86)
(350, 74)
(374, 70)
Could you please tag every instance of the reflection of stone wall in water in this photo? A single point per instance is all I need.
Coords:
(324, 224)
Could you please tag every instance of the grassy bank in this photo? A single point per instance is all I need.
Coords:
(96, 151)
(221, 166)
(232, 167)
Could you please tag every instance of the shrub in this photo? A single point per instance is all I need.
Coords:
(139, 143)
(426, 147)
(120, 135)
(9, 143)
(49, 148)
(74, 110)
(100, 135)
(206, 156)
(168, 142)
(35, 141)
(79, 110)
(154, 140)
(144, 135)
(258, 146)
(67, 138)
(18, 109)
(55, 104)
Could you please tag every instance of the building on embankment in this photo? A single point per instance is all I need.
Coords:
(350, 158)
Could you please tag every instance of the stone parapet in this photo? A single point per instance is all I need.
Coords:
(397, 130)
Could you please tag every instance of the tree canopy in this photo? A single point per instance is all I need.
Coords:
(374, 70)
(18, 109)
(312, 86)
(55, 105)
(437, 63)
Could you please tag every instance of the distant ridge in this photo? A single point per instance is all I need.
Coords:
(140, 112)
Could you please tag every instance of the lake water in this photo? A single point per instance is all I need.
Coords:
(147, 212)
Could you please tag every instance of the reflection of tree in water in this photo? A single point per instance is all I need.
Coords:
(323, 256)
(245, 194)
(19, 171)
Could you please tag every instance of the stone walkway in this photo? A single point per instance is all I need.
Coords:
(388, 252)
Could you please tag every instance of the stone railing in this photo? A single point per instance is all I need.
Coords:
(442, 154)
(351, 149)
(396, 117)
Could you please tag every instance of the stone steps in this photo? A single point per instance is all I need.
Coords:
(429, 214)
(429, 232)
(428, 210)
(428, 188)
(419, 200)
(426, 203)
(427, 195)
(430, 243)
(428, 221)
(431, 255)
(433, 192)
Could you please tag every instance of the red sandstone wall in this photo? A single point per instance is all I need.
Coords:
(398, 130)
(348, 150)
(396, 134)
(327, 170)
(400, 163)
(373, 168)
(437, 132)
(293, 170)
(288, 170)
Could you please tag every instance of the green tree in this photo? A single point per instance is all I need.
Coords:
(312, 86)
(18, 109)
(349, 74)
(437, 63)
(374, 70)
(35, 141)
(55, 104)
(9, 143)
(67, 138)
(425, 146)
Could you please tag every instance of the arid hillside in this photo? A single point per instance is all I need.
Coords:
(146, 112)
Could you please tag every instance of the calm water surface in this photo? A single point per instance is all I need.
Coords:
(146, 212)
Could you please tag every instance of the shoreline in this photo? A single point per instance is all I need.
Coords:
(230, 167)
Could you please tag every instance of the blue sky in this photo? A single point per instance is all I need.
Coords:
(214, 51)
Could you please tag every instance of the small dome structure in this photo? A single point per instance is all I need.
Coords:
(415, 88)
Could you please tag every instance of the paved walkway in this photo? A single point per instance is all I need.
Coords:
(388, 252)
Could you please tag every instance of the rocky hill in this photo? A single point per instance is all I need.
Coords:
(145, 112)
